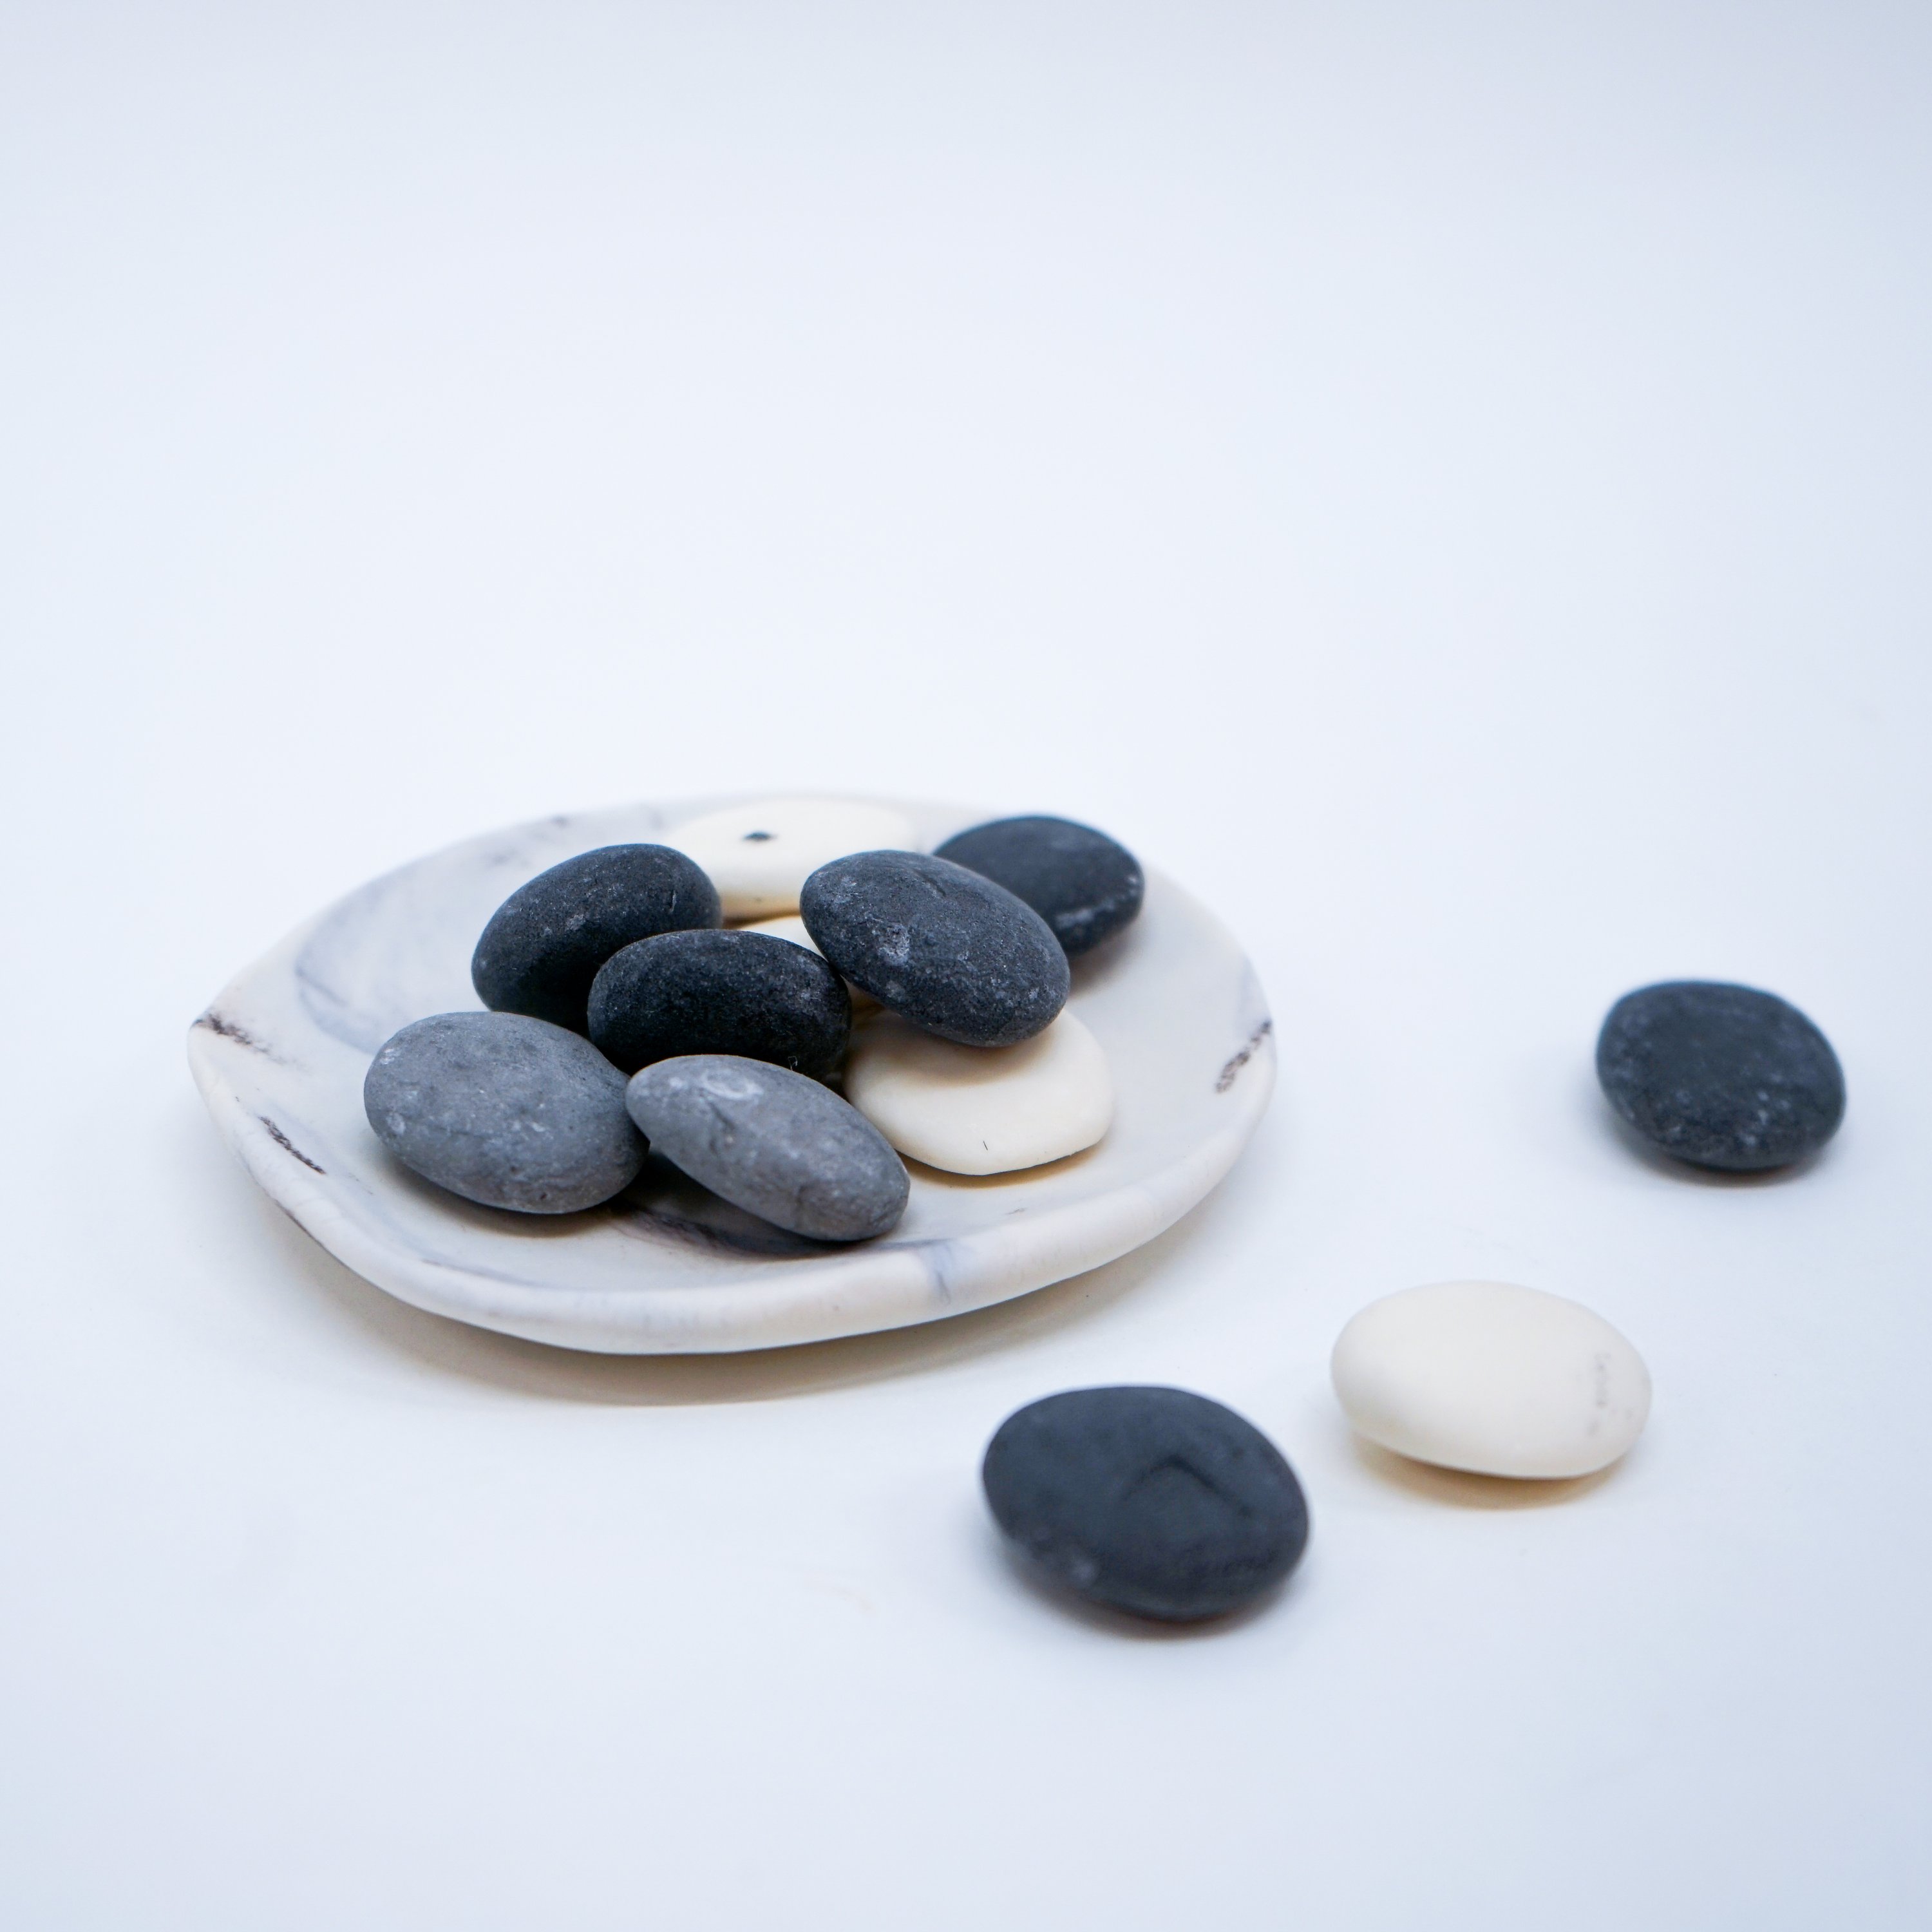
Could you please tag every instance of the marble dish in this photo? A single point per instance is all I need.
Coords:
(667, 1268)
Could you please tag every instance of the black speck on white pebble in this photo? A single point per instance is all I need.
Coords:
(952, 952)
(772, 1142)
(1720, 1076)
(1151, 1500)
(504, 1109)
(743, 993)
(1086, 885)
(545, 943)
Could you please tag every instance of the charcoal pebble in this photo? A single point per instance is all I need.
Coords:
(1720, 1076)
(954, 952)
(504, 1109)
(1086, 885)
(743, 993)
(772, 1142)
(545, 944)
(1151, 1500)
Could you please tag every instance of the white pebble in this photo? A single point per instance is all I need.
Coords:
(981, 1110)
(759, 855)
(792, 928)
(1485, 1376)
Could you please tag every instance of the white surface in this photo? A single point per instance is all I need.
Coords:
(1450, 483)
(281, 1054)
(759, 855)
(968, 1111)
(1491, 1377)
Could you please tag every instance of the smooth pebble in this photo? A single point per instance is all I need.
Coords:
(735, 992)
(506, 1110)
(1486, 1376)
(759, 855)
(1153, 1500)
(769, 1140)
(1720, 1076)
(1086, 885)
(546, 942)
(954, 953)
(981, 1110)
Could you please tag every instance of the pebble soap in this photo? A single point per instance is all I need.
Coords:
(772, 1142)
(1086, 885)
(976, 1110)
(505, 1110)
(954, 952)
(546, 942)
(1720, 1076)
(759, 855)
(1152, 1501)
(1486, 1376)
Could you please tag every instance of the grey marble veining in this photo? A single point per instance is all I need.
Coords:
(281, 1055)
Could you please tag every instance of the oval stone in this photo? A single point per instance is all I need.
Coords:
(789, 926)
(772, 1142)
(1152, 1501)
(1086, 885)
(1486, 1376)
(544, 944)
(736, 992)
(759, 855)
(981, 1110)
(1720, 1076)
(954, 953)
(504, 1109)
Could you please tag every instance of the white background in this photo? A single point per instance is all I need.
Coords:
(1450, 482)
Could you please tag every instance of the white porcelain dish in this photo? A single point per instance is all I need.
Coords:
(667, 1268)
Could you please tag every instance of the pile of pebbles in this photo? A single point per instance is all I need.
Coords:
(698, 998)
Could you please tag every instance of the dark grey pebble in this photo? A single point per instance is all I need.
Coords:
(746, 993)
(954, 953)
(1086, 885)
(544, 943)
(772, 1142)
(1150, 1501)
(1720, 1076)
(504, 1109)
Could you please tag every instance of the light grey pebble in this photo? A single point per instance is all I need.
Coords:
(772, 1142)
(504, 1109)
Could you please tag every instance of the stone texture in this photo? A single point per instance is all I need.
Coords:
(981, 1110)
(1151, 1500)
(759, 855)
(736, 992)
(1490, 1377)
(1720, 1076)
(1086, 885)
(954, 953)
(772, 1142)
(545, 944)
(790, 927)
(506, 1110)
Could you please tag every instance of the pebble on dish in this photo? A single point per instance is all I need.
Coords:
(736, 992)
(1720, 1076)
(956, 954)
(1086, 885)
(1489, 1377)
(1152, 1501)
(506, 1110)
(545, 944)
(759, 855)
(772, 1142)
(979, 1110)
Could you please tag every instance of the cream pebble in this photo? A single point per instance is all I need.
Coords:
(792, 927)
(981, 1110)
(759, 855)
(1486, 1376)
